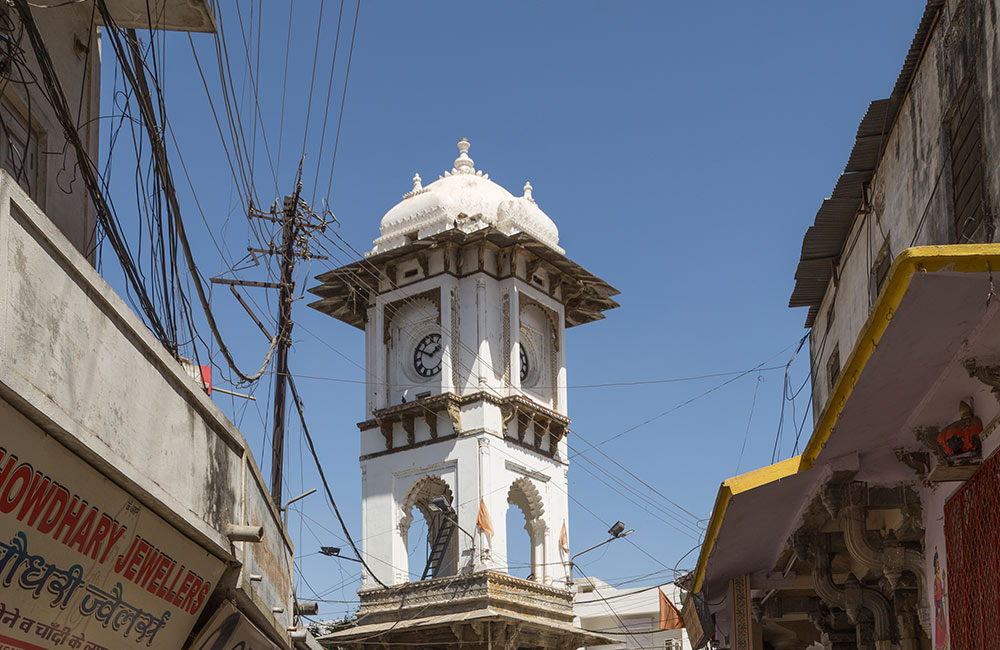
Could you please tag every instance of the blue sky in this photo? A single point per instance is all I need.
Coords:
(682, 149)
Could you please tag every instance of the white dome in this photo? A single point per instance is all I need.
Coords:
(466, 199)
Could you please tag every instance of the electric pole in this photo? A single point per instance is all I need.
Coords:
(289, 228)
(298, 223)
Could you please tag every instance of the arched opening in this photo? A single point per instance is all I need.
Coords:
(525, 558)
(430, 539)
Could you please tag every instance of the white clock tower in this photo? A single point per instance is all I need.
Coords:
(464, 301)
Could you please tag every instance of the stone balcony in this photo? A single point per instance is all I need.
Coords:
(485, 607)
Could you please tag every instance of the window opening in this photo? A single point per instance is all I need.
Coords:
(833, 367)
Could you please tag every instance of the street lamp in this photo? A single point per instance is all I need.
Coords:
(284, 508)
(334, 551)
(617, 531)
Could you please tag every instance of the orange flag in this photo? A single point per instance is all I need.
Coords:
(564, 538)
(483, 520)
(670, 618)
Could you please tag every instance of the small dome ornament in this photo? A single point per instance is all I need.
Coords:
(418, 188)
(527, 191)
(463, 164)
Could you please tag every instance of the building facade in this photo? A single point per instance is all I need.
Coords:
(133, 513)
(638, 618)
(881, 534)
(464, 301)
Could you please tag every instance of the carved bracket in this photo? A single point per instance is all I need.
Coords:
(918, 461)
(989, 375)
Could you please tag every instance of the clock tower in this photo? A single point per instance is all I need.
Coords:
(464, 300)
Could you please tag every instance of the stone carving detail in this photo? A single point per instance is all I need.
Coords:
(507, 351)
(419, 495)
(417, 187)
(989, 375)
(852, 597)
(456, 342)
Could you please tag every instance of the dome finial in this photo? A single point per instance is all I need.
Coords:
(416, 183)
(464, 164)
(527, 191)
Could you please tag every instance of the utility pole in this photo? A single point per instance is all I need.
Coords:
(289, 228)
(298, 223)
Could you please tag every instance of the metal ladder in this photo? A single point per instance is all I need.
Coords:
(445, 532)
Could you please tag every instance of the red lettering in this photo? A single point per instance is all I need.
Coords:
(192, 594)
(22, 476)
(162, 591)
(117, 530)
(57, 505)
(38, 496)
(11, 460)
(159, 574)
(179, 598)
(149, 566)
(83, 532)
(124, 560)
(70, 519)
(102, 530)
(202, 594)
(140, 554)
(169, 597)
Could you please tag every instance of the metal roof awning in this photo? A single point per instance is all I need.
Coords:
(824, 241)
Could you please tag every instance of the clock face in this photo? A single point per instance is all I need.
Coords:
(427, 355)
(525, 367)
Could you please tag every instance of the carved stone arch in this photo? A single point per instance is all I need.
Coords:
(527, 498)
(419, 495)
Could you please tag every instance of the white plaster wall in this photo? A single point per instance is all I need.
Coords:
(474, 353)
(911, 192)
(76, 361)
(481, 465)
(67, 34)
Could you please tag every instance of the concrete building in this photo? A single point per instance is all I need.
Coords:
(132, 513)
(464, 301)
(883, 533)
(639, 618)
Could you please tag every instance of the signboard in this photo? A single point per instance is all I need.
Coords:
(230, 630)
(82, 564)
(695, 615)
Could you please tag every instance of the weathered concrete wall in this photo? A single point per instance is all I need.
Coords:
(78, 363)
(73, 40)
(911, 192)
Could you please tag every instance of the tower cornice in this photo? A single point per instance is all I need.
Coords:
(347, 292)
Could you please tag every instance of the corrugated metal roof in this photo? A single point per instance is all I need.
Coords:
(824, 240)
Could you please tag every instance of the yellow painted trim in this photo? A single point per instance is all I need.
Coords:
(730, 488)
(958, 258)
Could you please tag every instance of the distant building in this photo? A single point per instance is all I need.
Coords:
(464, 301)
(132, 513)
(883, 533)
(639, 618)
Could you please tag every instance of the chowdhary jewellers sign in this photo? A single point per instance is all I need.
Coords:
(82, 564)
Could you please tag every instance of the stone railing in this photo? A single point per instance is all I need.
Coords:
(466, 592)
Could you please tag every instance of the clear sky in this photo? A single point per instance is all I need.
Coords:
(681, 148)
